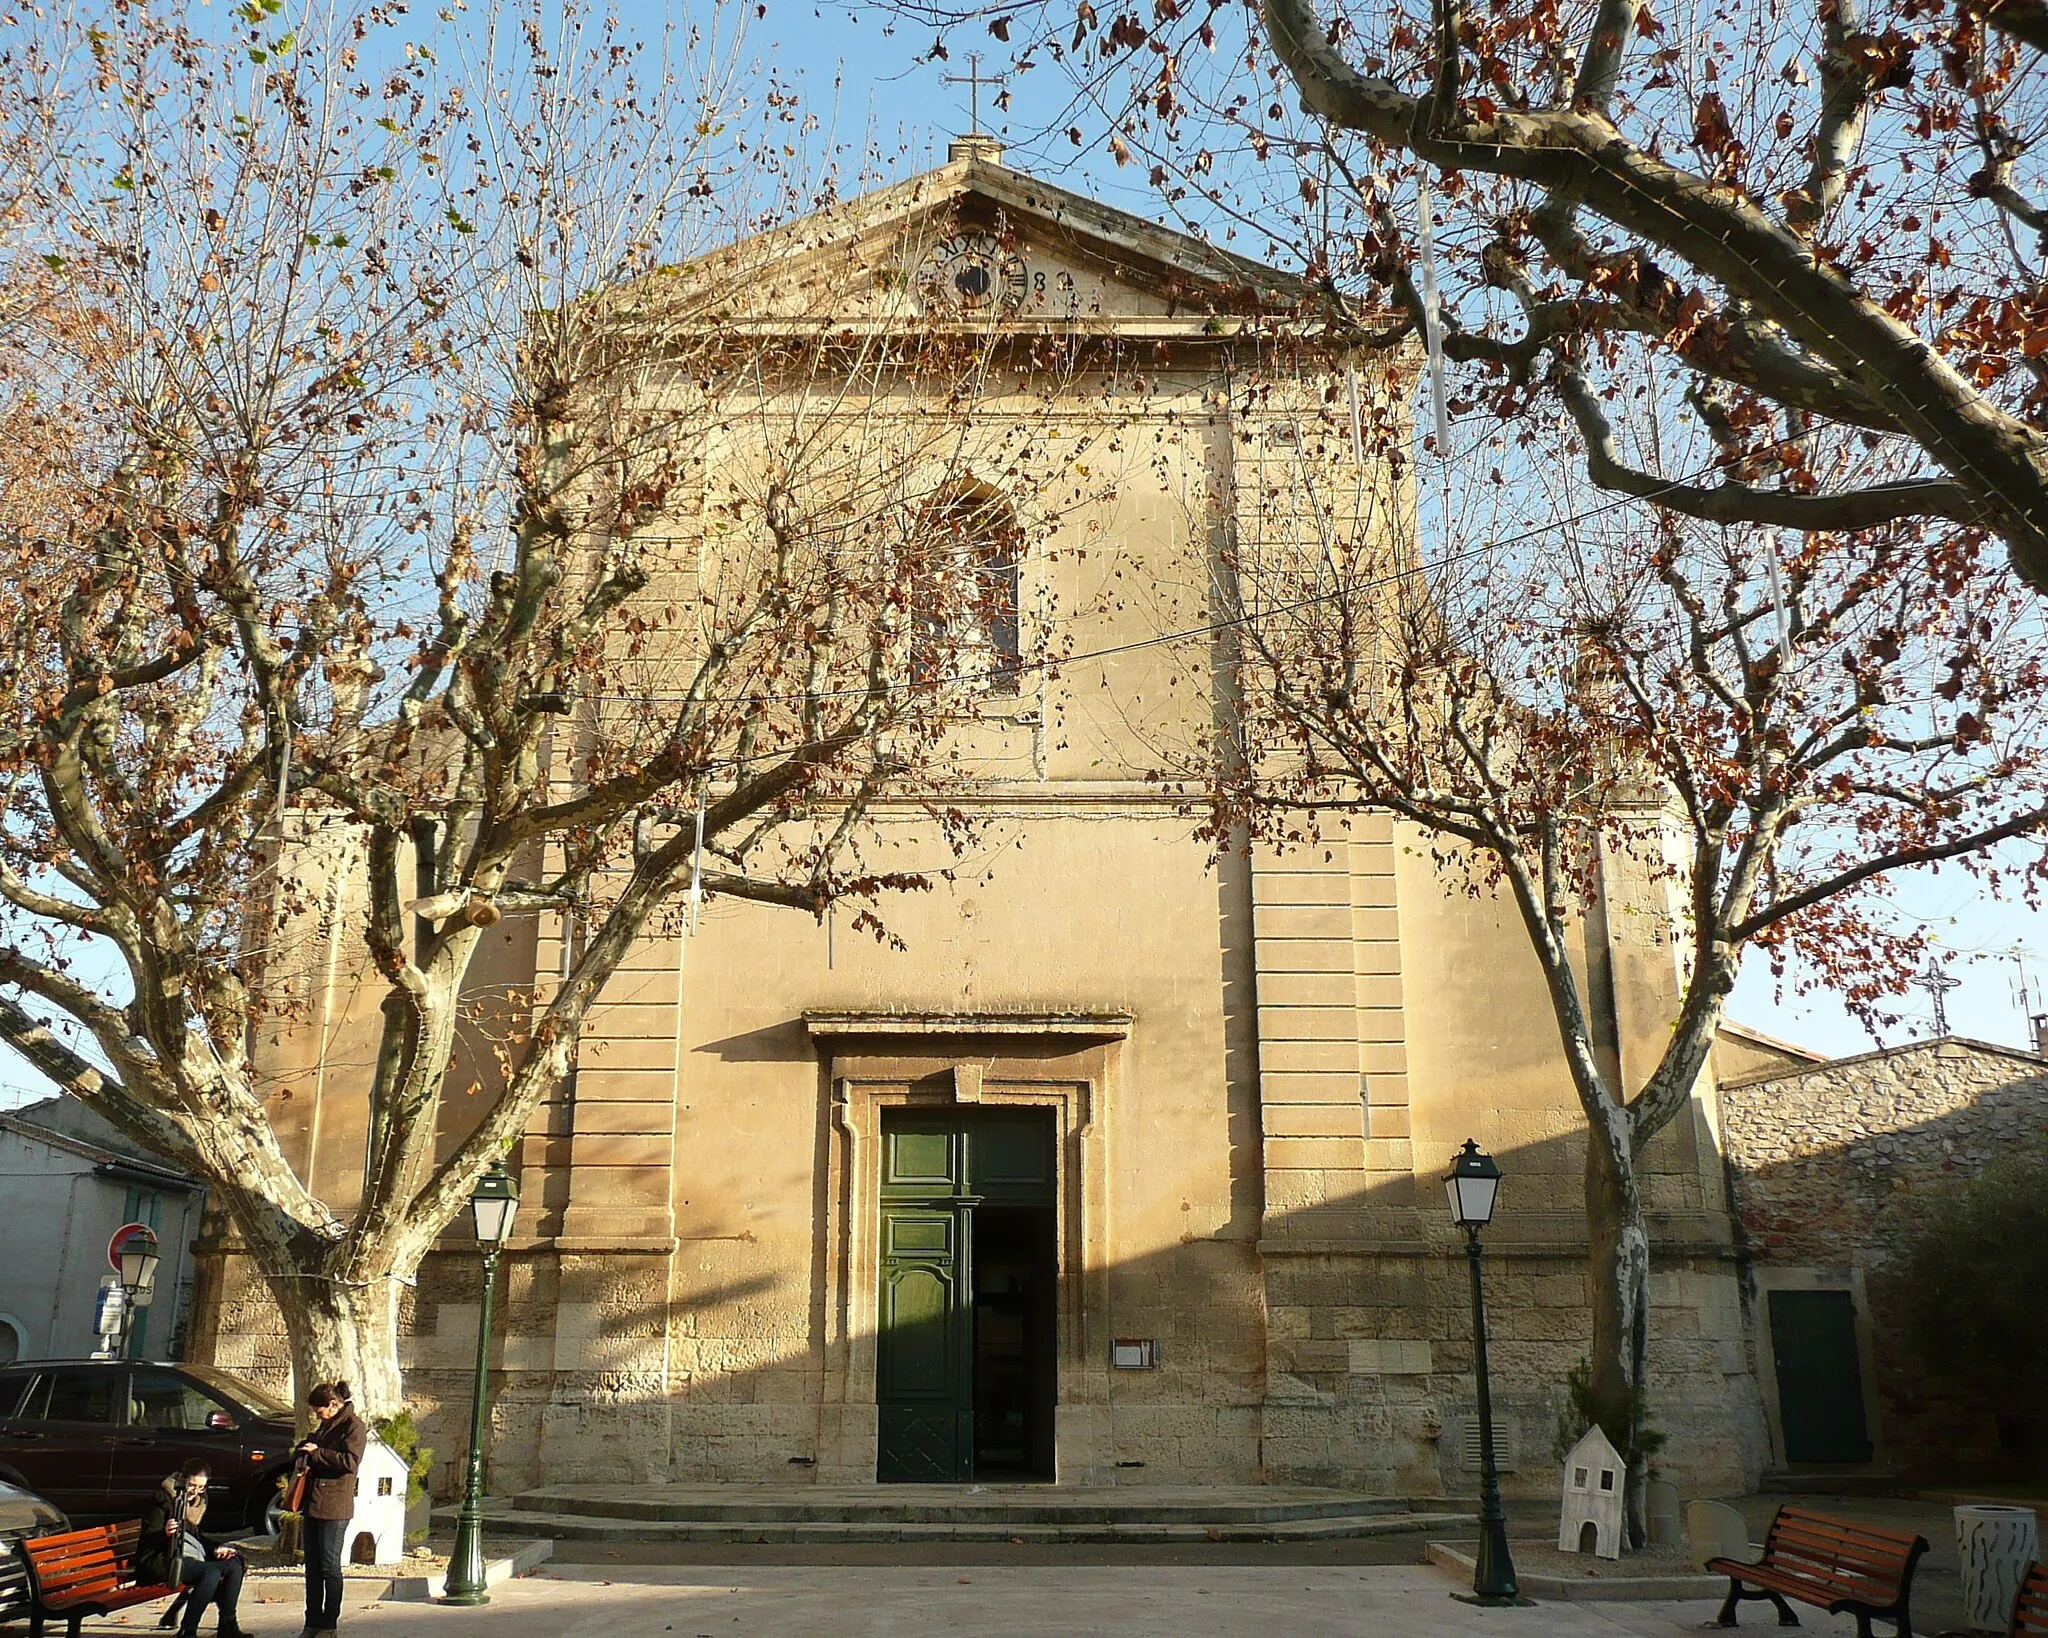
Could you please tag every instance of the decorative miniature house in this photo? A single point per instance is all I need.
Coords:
(1590, 1521)
(378, 1522)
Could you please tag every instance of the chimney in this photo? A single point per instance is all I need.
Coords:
(2040, 1023)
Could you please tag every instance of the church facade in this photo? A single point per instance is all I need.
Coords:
(1124, 1166)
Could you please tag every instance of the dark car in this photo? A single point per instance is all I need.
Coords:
(22, 1513)
(98, 1436)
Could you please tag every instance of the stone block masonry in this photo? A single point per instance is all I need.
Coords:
(1833, 1169)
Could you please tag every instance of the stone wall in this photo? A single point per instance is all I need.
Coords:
(1832, 1171)
(1371, 1383)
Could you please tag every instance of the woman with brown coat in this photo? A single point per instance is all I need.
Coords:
(329, 1460)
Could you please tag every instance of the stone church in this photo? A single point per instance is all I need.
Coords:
(1124, 1168)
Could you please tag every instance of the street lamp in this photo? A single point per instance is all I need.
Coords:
(138, 1261)
(138, 1258)
(495, 1202)
(1473, 1185)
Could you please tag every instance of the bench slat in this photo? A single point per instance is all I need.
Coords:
(1823, 1589)
(118, 1600)
(78, 1550)
(1803, 1541)
(1790, 1515)
(1794, 1520)
(1872, 1546)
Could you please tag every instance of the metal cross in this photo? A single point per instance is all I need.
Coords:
(1937, 983)
(974, 80)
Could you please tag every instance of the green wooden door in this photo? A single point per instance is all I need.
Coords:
(923, 1381)
(936, 1171)
(1820, 1382)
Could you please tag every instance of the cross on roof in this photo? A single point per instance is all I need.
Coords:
(974, 80)
(1937, 982)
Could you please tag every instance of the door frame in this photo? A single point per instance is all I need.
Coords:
(1064, 1062)
(1769, 1279)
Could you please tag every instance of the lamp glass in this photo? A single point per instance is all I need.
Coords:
(495, 1203)
(138, 1266)
(1472, 1186)
(1472, 1199)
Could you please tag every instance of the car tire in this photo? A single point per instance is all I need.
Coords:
(266, 1510)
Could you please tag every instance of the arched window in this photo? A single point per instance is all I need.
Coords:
(971, 556)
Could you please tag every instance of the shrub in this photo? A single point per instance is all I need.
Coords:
(1575, 1415)
(1968, 1284)
(402, 1434)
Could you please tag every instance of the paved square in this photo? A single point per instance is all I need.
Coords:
(590, 1601)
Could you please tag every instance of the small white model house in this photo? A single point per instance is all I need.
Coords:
(1593, 1481)
(380, 1507)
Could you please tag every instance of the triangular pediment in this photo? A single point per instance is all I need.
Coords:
(976, 244)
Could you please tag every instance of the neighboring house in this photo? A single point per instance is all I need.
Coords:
(1831, 1168)
(68, 1180)
(1124, 1166)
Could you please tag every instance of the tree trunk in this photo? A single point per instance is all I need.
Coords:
(343, 1332)
(1620, 1282)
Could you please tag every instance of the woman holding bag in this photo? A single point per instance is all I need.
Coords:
(327, 1462)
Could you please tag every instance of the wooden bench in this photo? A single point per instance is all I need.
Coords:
(84, 1572)
(1831, 1563)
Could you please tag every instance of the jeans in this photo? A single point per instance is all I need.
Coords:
(213, 1581)
(322, 1539)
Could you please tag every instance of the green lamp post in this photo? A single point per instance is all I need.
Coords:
(1473, 1185)
(495, 1202)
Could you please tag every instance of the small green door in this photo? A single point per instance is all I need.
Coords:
(922, 1383)
(923, 1388)
(1820, 1381)
(936, 1171)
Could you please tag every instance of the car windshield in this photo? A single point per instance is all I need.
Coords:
(260, 1400)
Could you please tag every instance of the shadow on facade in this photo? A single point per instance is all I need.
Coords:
(1324, 1345)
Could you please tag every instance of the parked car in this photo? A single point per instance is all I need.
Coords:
(97, 1436)
(22, 1513)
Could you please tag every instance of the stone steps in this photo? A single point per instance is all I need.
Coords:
(893, 1513)
(819, 1532)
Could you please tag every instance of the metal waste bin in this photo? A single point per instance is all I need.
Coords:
(1995, 1545)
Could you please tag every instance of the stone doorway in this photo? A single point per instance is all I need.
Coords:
(967, 1298)
(1059, 1068)
(1814, 1355)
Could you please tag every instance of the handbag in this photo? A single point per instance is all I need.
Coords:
(295, 1491)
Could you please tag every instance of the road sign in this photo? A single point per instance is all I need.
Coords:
(112, 1303)
(122, 1235)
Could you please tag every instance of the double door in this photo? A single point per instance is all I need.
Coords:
(966, 1352)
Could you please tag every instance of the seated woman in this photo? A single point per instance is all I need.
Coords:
(173, 1551)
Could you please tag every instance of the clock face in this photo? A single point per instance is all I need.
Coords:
(973, 273)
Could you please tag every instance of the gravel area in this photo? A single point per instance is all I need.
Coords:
(267, 1564)
(1541, 1558)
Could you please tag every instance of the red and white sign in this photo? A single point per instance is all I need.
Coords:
(122, 1235)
